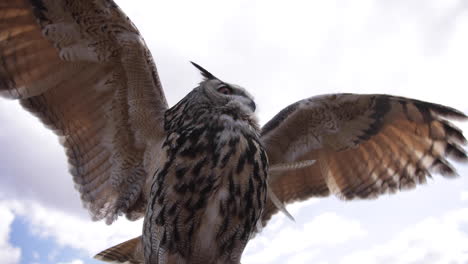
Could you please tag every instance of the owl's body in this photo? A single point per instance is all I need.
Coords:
(198, 172)
(209, 190)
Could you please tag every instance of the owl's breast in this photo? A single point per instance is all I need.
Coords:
(208, 194)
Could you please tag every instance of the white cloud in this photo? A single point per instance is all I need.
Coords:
(436, 240)
(33, 162)
(70, 230)
(464, 196)
(305, 257)
(8, 253)
(296, 207)
(325, 230)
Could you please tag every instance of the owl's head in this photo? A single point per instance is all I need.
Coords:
(224, 94)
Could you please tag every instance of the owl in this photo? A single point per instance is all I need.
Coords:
(203, 174)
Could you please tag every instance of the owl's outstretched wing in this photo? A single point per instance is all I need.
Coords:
(84, 70)
(364, 146)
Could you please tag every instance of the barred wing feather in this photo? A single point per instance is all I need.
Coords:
(364, 145)
(83, 69)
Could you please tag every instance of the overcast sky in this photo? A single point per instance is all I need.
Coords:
(281, 52)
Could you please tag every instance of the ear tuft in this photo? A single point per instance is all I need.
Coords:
(206, 74)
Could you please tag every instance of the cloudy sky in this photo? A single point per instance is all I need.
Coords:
(281, 53)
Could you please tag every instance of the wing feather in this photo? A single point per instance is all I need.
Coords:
(83, 69)
(365, 146)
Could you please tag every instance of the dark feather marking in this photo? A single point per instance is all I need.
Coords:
(196, 134)
(191, 214)
(172, 210)
(194, 150)
(198, 181)
(39, 10)
(191, 229)
(453, 132)
(201, 203)
(259, 197)
(456, 152)
(364, 190)
(404, 105)
(443, 167)
(232, 150)
(353, 165)
(164, 238)
(197, 168)
(196, 147)
(232, 189)
(214, 159)
(188, 206)
(176, 230)
(380, 108)
(437, 108)
(213, 132)
(424, 109)
(222, 209)
(233, 142)
(241, 163)
(223, 228)
(191, 186)
(228, 244)
(226, 158)
(422, 173)
(249, 195)
(161, 220)
(445, 110)
(256, 172)
(237, 190)
(160, 179)
(264, 160)
(181, 188)
(180, 172)
(208, 187)
(246, 231)
(161, 199)
(251, 150)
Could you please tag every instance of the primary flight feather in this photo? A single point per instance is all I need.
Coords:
(203, 173)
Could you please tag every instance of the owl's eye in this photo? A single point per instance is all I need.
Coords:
(225, 90)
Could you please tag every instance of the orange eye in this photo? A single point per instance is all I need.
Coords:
(225, 90)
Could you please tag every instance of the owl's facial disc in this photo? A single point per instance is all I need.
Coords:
(225, 94)
(229, 95)
(236, 93)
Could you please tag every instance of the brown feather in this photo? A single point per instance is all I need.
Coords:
(130, 251)
(90, 78)
(366, 145)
